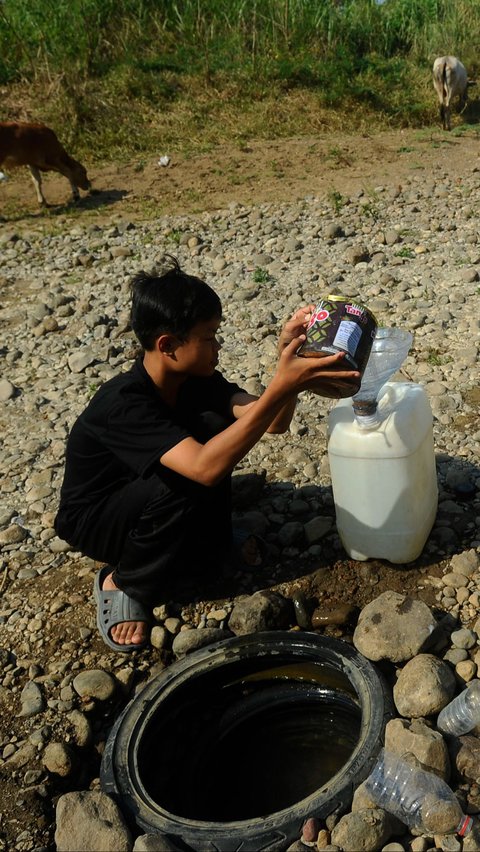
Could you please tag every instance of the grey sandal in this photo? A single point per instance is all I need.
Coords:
(114, 607)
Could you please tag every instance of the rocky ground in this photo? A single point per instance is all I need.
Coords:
(399, 232)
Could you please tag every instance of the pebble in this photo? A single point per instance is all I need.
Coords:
(340, 614)
(32, 699)
(67, 332)
(57, 758)
(94, 683)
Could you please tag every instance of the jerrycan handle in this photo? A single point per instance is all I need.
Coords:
(366, 412)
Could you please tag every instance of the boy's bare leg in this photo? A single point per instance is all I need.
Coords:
(128, 632)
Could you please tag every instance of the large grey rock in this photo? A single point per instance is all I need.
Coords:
(90, 821)
(26, 753)
(96, 684)
(404, 736)
(394, 627)
(188, 641)
(465, 563)
(424, 686)
(262, 611)
(466, 756)
(362, 831)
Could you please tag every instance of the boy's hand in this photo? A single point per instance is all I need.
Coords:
(317, 374)
(295, 326)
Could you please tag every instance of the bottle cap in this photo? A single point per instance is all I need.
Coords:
(465, 826)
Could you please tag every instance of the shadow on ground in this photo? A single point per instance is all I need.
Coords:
(95, 200)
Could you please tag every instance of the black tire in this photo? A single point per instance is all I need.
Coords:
(121, 776)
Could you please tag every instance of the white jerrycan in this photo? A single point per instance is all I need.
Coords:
(383, 474)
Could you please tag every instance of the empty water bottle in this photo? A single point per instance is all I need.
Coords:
(420, 799)
(463, 713)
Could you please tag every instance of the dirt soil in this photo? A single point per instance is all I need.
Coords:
(277, 172)
(273, 171)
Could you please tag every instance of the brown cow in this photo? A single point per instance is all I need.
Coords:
(36, 146)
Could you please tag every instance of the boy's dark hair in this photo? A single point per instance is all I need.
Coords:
(168, 301)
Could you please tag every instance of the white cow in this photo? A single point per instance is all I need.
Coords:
(450, 81)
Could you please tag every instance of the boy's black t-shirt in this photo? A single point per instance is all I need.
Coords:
(124, 431)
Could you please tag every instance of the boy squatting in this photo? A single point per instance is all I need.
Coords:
(148, 463)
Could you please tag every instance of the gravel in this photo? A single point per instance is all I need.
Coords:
(411, 254)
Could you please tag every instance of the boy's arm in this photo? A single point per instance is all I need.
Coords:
(291, 330)
(242, 402)
(209, 463)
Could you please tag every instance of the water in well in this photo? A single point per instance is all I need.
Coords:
(251, 743)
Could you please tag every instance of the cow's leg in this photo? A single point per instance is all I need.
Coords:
(445, 115)
(37, 182)
(448, 124)
(75, 192)
(442, 115)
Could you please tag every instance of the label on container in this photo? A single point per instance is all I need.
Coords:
(340, 325)
(348, 337)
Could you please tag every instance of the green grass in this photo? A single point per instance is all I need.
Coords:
(436, 359)
(115, 76)
(369, 210)
(261, 276)
(92, 389)
(337, 200)
(174, 236)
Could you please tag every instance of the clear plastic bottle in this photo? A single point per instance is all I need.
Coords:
(463, 713)
(389, 350)
(420, 799)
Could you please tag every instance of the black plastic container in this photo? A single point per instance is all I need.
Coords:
(340, 324)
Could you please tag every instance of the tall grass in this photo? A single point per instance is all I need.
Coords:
(91, 56)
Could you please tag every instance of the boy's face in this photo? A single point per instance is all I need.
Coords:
(198, 355)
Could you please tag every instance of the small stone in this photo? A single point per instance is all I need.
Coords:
(94, 683)
(463, 638)
(334, 614)
(190, 640)
(159, 637)
(14, 534)
(466, 670)
(82, 729)
(58, 759)
(32, 700)
(7, 390)
(77, 361)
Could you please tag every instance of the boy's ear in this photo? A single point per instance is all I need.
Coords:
(166, 344)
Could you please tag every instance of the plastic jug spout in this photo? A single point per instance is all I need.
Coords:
(366, 413)
(389, 350)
